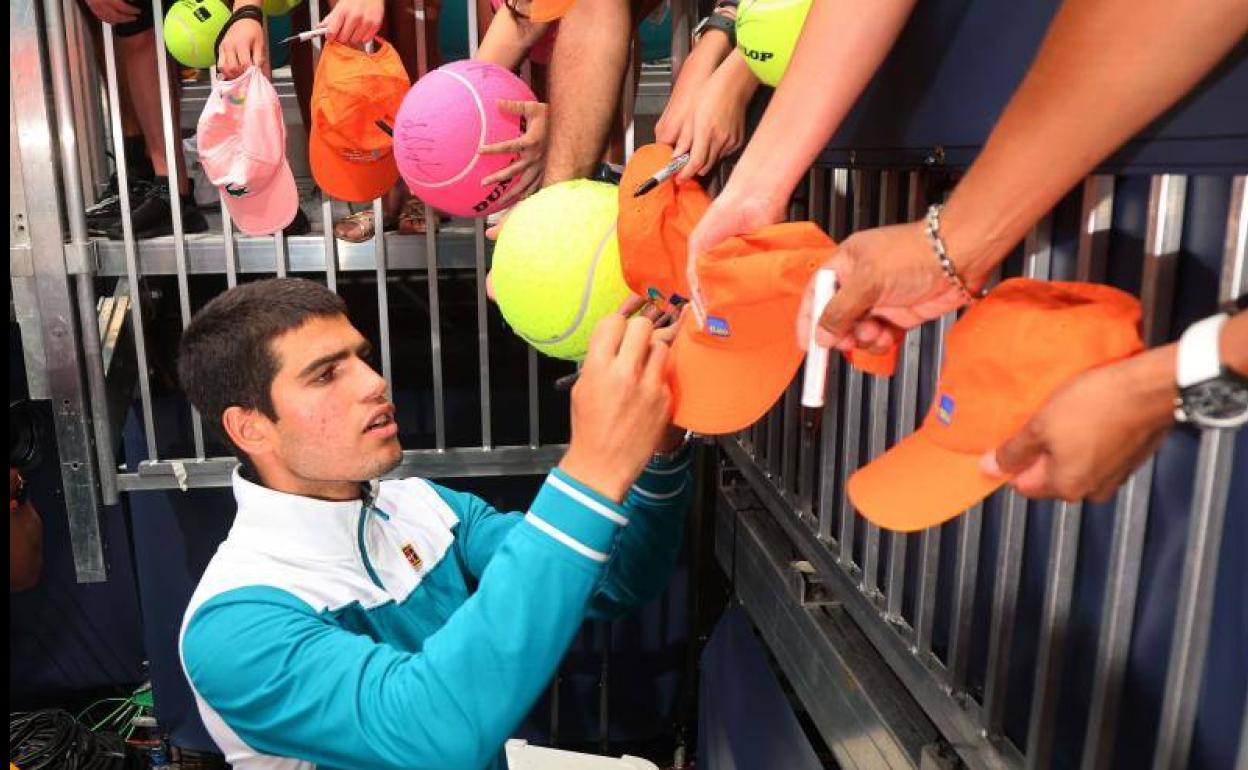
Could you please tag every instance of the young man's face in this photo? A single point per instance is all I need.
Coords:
(335, 425)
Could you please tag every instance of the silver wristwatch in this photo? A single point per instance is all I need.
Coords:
(1211, 394)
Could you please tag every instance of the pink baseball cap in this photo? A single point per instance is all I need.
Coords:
(242, 147)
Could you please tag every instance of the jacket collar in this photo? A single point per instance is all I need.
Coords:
(281, 523)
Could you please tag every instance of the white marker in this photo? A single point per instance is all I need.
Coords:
(816, 373)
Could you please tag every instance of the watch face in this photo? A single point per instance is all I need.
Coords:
(1216, 400)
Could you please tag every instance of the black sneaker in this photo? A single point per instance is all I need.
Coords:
(298, 226)
(103, 214)
(152, 215)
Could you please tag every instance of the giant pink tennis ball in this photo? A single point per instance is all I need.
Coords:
(443, 121)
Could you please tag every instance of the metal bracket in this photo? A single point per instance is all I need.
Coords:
(21, 262)
(807, 587)
(81, 258)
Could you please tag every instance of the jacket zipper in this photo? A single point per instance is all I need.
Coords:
(365, 510)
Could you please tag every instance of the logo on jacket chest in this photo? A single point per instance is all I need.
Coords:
(413, 558)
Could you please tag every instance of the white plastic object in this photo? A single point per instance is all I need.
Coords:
(816, 370)
(523, 756)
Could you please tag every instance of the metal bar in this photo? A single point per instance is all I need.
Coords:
(329, 243)
(1095, 222)
(683, 14)
(877, 435)
(850, 443)
(970, 524)
(279, 253)
(61, 335)
(929, 547)
(473, 30)
(1185, 671)
(849, 459)
(838, 219)
(455, 462)
(1090, 261)
(907, 407)
(877, 438)
(435, 329)
(827, 449)
(173, 150)
(534, 424)
(1038, 257)
(103, 470)
(775, 442)
(383, 297)
(305, 255)
(483, 329)
(227, 226)
(73, 111)
(791, 441)
(97, 389)
(1167, 196)
(128, 244)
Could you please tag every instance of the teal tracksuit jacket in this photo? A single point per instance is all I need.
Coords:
(414, 628)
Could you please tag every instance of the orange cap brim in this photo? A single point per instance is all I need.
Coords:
(918, 484)
(721, 390)
(344, 180)
(549, 10)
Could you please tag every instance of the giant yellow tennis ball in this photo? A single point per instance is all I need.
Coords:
(556, 269)
(191, 29)
(767, 32)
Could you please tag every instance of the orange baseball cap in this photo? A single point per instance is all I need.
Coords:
(726, 374)
(1005, 357)
(653, 229)
(549, 10)
(355, 98)
(653, 232)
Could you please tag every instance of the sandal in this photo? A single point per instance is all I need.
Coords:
(357, 227)
(412, 217)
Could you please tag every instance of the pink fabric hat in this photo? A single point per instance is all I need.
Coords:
(242, 147)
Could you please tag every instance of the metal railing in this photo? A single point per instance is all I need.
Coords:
(60, 126)
(802, 480)
(64, 121)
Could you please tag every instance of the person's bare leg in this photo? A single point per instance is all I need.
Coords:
(586, 71)
(139, 53)
(617, 148)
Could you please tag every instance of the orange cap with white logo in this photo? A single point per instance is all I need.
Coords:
(1004, 358)
(355, 99)
(726, 373)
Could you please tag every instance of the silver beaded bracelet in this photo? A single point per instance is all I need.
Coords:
(938, 246)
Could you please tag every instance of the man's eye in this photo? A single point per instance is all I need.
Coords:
(327, 375)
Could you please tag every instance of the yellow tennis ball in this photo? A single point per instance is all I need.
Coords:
(767, 32)
(191, 29)
(556, 269)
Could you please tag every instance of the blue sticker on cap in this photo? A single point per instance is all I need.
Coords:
(944, 412)
(654, 293)
(717, 327)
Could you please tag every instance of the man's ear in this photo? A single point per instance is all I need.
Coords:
(249, 429)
